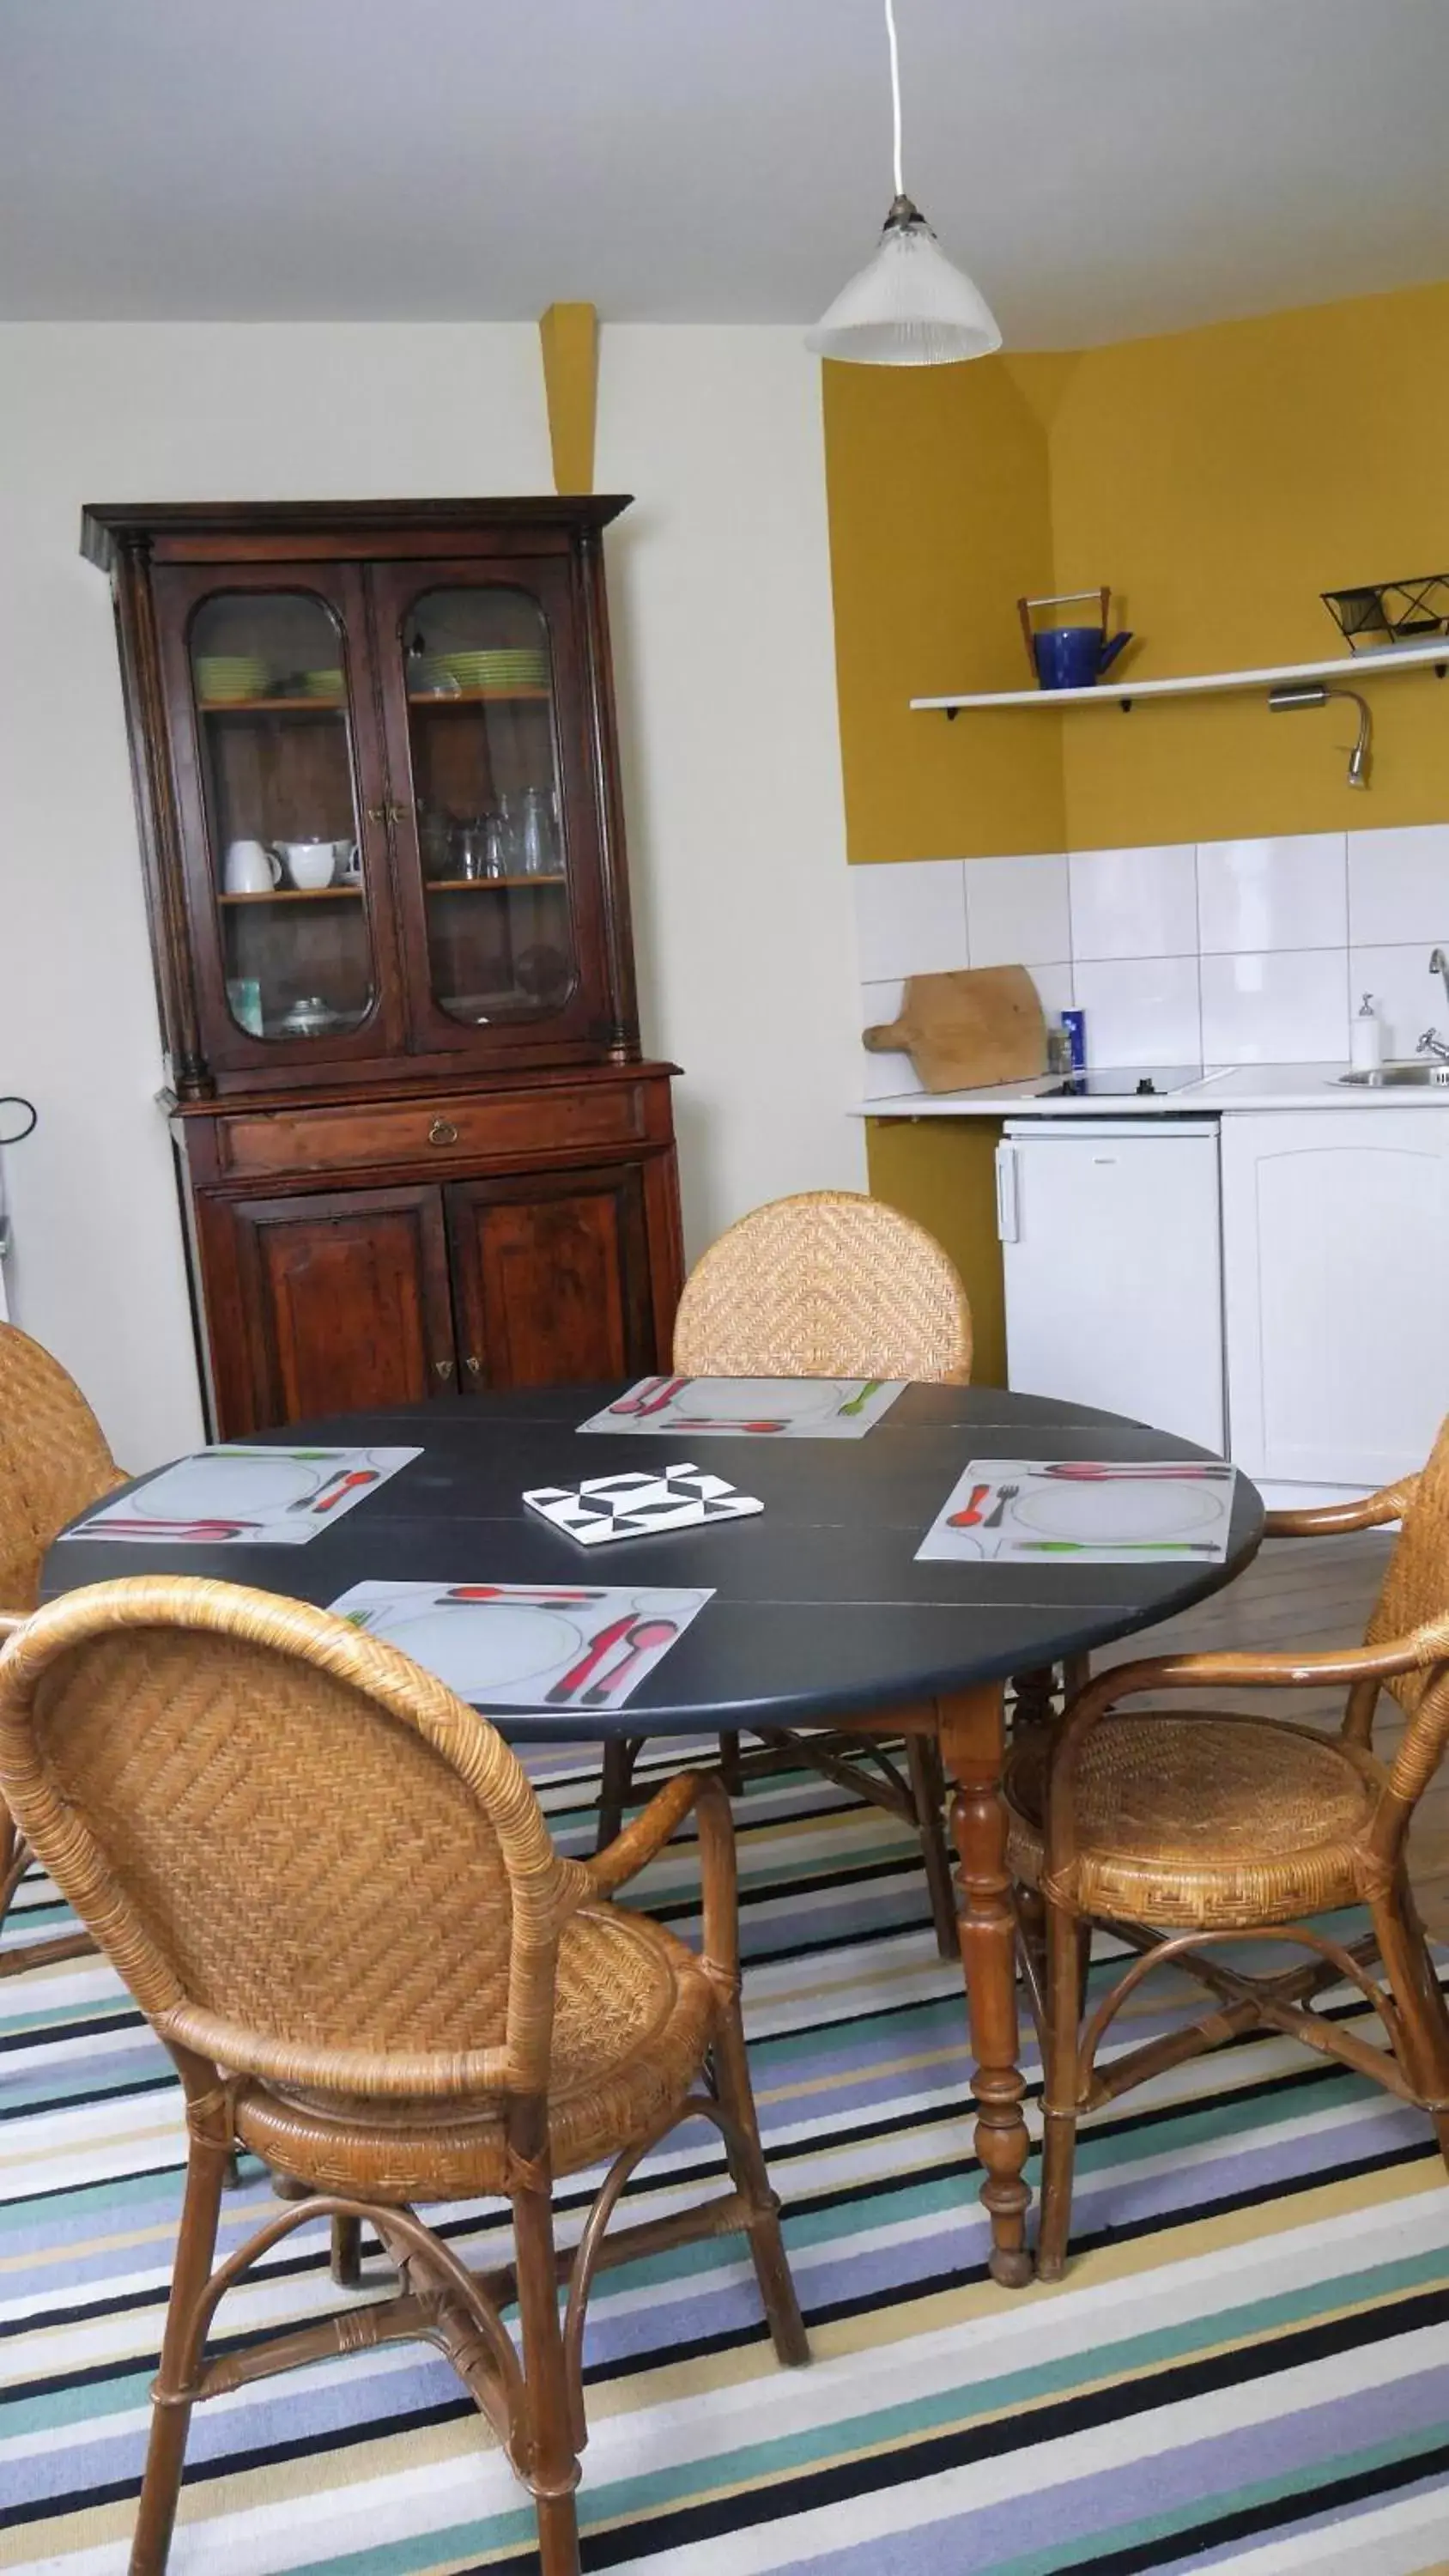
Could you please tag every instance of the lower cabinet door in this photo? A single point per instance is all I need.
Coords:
(342, 1305)
(1335, 1255)
(551, 1277)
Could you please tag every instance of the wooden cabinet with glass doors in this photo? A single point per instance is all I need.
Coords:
(376, 778)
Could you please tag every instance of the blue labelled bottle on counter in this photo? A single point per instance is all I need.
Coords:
(1075, 1024)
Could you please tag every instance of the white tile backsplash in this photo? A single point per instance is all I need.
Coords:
(1134, 903)
(1140, 1010)
(1408, 998)
(1232, 952)
(1017, 912)
(1278, 1006)
(1056, 990)
(910, 918)
(1288, 893)
(884, 1075)
(1398, 886)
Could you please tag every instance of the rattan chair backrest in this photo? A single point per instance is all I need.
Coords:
(307, 1858)
(1416, 1584)
(827, 1284)
(53, 1461)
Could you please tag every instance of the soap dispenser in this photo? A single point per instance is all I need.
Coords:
(1366, 1035)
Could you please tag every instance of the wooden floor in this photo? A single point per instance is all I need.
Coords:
(1316, 1593)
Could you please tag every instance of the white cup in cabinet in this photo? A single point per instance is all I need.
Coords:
(250, 868)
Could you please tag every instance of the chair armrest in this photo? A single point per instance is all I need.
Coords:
(1428, 1644)
(635, 1847)
(1346, 1665)
(704, 1793)
(1325, 1520)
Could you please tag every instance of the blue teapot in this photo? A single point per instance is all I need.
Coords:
(1071, 657)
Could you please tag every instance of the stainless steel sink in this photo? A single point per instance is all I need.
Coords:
(1399, 1077)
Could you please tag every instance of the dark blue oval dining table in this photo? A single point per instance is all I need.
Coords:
(819, 1613)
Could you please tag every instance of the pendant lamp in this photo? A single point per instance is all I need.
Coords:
(910, 307)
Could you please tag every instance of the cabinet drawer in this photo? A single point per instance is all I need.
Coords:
(442, 1131)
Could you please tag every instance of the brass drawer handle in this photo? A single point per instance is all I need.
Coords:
(442, 1132)
(443, 1367)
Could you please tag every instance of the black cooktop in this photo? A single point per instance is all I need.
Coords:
(1135, 1080)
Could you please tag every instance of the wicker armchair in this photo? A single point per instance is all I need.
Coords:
(53, 1462)
(1185, 1832)
(329, 1886)
(828, 1284)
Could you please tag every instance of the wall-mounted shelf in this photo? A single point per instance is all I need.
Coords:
(1344, 667)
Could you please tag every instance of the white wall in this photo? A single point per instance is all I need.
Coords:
(724, 652)
(732, 773)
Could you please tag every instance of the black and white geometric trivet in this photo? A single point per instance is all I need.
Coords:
(640, 1506)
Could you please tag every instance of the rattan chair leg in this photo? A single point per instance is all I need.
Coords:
(1067, 1937)
(553, 2470)
(621, 1752)
(347, 2253)
(21, 1955)
(171, 2412)
(748, 2172)
(928, 1791)
(1030, 1907)
(1423, 2019)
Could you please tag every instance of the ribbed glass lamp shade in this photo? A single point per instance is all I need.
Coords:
(909, 307)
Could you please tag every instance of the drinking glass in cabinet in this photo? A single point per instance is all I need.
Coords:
(277, 775)
(482, 734)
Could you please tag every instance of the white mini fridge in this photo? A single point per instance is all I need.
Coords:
(1112, 1248)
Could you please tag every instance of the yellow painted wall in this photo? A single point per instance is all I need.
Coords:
(942, 1171)
(1221, 479)
(939, 519)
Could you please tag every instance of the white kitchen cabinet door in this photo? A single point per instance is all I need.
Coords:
(1336, 1291)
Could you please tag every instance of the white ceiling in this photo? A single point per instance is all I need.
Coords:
(1102, 167)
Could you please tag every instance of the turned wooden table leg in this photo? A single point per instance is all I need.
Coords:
(972, 1734)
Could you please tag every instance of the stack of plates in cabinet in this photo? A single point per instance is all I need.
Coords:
(230, 677)
(522, 666)
(321, 684)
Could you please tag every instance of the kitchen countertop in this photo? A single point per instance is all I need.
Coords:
(1223, 1087)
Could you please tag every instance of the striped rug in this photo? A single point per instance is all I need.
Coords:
(1247, 2367)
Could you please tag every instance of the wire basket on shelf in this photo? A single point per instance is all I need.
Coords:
(1379, 614)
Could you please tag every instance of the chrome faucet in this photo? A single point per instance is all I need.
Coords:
(1431, 1043)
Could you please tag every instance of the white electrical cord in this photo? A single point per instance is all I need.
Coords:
(895, 95)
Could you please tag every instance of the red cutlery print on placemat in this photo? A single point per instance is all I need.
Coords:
(527, 1592)
(651, 1397)
(573, 1680)
(644, 1635)
(344, 1482)
(1204, 1474)
(969, 1517)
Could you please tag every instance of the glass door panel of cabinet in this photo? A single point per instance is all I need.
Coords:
(269, 682)
(482, 732)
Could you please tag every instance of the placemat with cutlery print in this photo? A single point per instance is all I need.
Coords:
(249, 1497)
(784, 1408)
(1087, 1511)
(527, 1645)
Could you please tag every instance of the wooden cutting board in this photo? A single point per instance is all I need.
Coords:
(965, 1031)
